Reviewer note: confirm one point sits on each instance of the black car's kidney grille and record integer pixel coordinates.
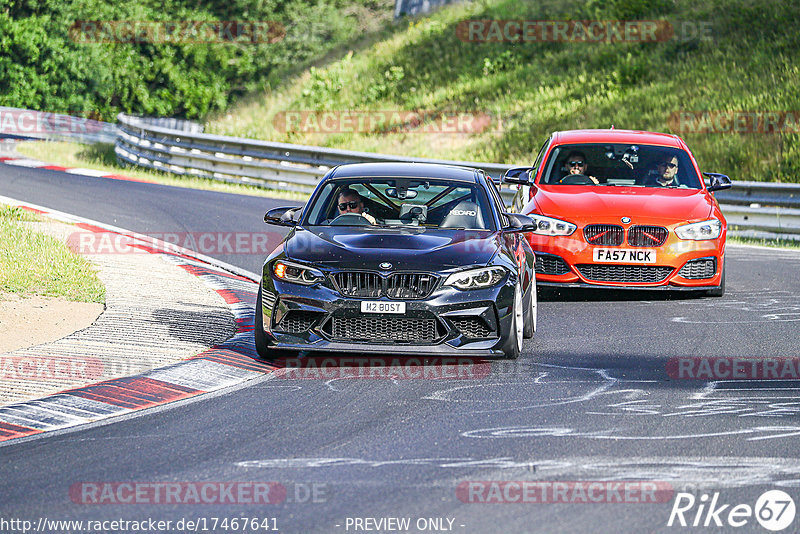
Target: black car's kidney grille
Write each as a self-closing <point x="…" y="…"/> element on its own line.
<point x="697" y="269"/>
<point x="473" y="327"/>
<point x="366" y="284"/>
<point x="647" y="236"/>
<point x="409" y="285"/>
<point x="359" y="284"/>
<point x="415" y="330"/>
<point x="297" y="321"/>
<point x="604" y="234"/>
<point x="550" y="264"/>
<point x="625" y="273"/>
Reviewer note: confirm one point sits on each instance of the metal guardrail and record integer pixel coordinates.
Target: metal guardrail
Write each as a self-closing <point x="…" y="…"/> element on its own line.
<point x="181" y="147"/>
<point x="274" y="165"/>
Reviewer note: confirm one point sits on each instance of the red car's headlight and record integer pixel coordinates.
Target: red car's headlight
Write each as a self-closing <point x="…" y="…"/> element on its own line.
<point x="551" y="226"/>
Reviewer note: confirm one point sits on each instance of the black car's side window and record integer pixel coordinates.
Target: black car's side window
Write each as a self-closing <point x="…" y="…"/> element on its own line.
<point x="498" y="202"/>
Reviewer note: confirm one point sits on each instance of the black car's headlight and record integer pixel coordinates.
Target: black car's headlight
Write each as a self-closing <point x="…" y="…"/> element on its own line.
<point x="476" y="278"/>
<point x="296" y="273"/>
<point x="700" y="231"/>
<point x="551" y="226"/>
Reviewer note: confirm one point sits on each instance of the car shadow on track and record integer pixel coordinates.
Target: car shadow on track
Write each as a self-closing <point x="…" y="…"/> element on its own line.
<point x="575" y="294"/>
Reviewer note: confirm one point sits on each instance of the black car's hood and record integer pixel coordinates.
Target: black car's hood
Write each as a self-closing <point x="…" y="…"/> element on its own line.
<point x="407" y="248"/>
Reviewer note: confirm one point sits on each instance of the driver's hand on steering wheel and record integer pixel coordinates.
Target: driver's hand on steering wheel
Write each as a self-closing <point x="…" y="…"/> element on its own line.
<point x="577" y="166"/>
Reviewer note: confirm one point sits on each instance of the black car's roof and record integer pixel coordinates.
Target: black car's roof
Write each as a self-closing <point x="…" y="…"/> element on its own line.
<point x="404" y="170"/>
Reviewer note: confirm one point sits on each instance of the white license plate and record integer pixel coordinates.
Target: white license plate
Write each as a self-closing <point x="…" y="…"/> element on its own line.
<point x="624" y="255"/>
<point x="382" y="307"/>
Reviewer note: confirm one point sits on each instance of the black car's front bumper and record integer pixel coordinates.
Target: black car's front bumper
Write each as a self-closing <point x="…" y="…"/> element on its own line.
<point x="449" y="322"/>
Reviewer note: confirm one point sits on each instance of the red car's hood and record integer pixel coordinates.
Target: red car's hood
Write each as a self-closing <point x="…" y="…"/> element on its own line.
<point x="581" y="204"/>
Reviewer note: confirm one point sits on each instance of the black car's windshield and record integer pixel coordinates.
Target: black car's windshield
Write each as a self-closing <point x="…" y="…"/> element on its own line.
<point x="405" y="202"/>
<point x="620" y="165"/>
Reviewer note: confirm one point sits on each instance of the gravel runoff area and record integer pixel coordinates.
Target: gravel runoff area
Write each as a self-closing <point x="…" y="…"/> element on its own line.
<point x="155" y="314"/>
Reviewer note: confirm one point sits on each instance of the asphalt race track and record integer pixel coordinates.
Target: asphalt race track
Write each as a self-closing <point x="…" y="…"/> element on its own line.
<point x="596" y="397"/>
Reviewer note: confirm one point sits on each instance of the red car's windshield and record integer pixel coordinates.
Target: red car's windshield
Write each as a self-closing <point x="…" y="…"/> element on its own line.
<point x="620" y="165"/>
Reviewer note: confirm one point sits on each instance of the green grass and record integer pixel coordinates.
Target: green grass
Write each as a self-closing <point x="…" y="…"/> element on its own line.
<point x="763" y="242"/>
<point x="101" y="157"/>
<point x="748" y="61"/>
<point x="35" y="263"/>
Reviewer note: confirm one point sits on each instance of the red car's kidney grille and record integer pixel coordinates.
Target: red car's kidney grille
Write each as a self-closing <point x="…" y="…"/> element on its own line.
<point x="647" y="236"/>
<point x="604" y="234"/>
<point x="625" y="273"/>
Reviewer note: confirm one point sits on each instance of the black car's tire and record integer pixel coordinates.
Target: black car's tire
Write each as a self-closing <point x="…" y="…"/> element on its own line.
<point x="516" y="333"/>
<point x="531" y="317"/>
<point x="718" y="291"/>
<point x="262" y="347"/>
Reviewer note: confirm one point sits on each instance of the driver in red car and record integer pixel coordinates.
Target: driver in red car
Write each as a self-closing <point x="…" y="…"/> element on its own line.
<point x="576" y="164"/>
<point x="350" y="201"/>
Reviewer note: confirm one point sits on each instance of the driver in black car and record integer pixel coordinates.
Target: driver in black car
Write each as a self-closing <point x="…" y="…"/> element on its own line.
<point x="576" y="164"/>
<point x="349" y="201"/>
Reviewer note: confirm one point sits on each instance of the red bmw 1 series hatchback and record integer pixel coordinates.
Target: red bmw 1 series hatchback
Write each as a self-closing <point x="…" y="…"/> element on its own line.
<point x="623" y="209"/>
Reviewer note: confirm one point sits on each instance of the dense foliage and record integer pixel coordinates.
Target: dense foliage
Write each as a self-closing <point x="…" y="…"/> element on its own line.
<point x="723" y="56"/>
<point x="44" y="66"/>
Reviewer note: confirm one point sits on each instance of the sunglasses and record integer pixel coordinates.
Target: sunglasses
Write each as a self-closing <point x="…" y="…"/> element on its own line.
<point x="578" y="163"/>
<point x="669" y="165"/>
<point x="353" y="205"/>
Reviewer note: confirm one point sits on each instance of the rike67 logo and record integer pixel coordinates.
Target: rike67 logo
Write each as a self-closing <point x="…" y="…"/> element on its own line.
<point x="774" y="510"/>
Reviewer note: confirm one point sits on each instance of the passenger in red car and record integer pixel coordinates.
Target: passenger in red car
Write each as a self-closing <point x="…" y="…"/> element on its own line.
<point x="666" y="173"/>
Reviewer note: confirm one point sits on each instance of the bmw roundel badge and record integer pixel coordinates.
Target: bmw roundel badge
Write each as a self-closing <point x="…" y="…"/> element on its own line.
<point x="626" y="220"/>
<point x="385" y="266"/>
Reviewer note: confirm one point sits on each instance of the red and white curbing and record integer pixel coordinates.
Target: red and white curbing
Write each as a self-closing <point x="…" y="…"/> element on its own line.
<point x="224" y="365"/>
<point x="36" y="164"/>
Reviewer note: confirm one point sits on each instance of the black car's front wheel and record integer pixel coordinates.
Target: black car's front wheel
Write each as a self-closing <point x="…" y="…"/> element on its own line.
<point x="516" y="333"/>
<point x="531" y="307"/>
<point x="262" y="347"/>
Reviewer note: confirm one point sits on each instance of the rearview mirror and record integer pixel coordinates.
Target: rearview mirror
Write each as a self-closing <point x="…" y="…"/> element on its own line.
<point x="518" y="175"/>
<point x="401" y="193"/>
<point x="718" y="181"/>
<point x="283" y="216"/>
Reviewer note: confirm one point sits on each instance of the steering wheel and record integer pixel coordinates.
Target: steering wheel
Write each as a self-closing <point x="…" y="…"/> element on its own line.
<point x="350" y="219"/>
<point x="576" y="179"/>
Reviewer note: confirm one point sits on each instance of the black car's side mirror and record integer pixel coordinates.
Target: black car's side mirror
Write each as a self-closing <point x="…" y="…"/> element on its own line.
<point x="518" y="175"/>
<point x="718" y="181"/>
<point x="283" y="216"/>
<point x="519" y="223"/>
